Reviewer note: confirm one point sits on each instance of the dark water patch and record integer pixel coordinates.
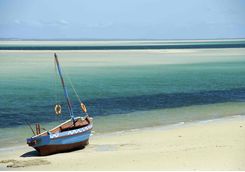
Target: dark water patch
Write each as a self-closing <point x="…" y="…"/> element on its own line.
<point x="122" y="105"/>
<point x="188" y="45"/>
<point x="119" y="105"/>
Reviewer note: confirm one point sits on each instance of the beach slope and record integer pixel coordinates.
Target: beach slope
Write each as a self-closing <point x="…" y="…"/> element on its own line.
<point x="208" y="145"/>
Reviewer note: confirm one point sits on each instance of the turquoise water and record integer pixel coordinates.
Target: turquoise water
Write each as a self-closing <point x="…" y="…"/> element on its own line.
<point x="122" y="89"/>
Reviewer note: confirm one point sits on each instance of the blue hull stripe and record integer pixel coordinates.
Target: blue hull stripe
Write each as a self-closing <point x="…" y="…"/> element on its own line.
<point x="71" y="139"/>
<point x="62" y="138"/>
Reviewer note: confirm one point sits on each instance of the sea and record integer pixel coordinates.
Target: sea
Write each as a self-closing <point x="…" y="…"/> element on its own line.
<point x="125" y="85"/>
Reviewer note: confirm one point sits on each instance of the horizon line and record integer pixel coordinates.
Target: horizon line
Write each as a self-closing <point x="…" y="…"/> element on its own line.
<point x="113" y="39"/>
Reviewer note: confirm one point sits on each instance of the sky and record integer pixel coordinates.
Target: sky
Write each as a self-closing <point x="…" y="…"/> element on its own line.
<point x="122" y="19"/>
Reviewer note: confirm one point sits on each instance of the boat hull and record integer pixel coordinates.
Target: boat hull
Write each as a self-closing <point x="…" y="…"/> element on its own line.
<point x="61" y="141"/>
<point x="52" y="149"/>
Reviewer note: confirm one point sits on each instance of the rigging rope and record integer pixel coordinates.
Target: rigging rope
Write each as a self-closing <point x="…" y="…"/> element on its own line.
<point x="67" y="76"/>
<point x="83" y="107"/>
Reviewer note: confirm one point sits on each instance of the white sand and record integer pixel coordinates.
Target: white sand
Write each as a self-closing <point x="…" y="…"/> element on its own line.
<point x="210" y="145"/>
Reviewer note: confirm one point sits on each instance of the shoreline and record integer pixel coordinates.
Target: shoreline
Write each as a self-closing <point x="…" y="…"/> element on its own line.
<point x="147" y="128"/>
<point x="187" y="146"/>
<point x="139" y="120"/>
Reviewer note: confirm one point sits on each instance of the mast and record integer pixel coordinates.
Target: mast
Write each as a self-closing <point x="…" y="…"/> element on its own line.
<point x="64" y="88"/>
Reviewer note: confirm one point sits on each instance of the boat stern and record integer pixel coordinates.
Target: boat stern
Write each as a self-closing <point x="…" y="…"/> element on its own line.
<point x="37" y="141"/>
<point x="31" y="141"/>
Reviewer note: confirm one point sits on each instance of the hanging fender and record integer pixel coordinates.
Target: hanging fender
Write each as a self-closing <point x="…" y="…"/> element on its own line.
<point x="57" y="109"/>
<point x="83" y="107"/>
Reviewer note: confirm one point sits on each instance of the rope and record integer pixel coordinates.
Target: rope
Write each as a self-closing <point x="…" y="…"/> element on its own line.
<point x="78" y="98"/>
<point x="69" y="79"/>
<point x="67" y="76"/>
<point x="55" y="80"/>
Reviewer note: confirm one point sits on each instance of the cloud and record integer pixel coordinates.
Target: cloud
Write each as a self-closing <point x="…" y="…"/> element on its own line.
<point x="27" y="22"/>
<point x="99" y="25"/>
<point x="44" y="23"/>
<point x="17" y="22"/>
<point x="62" y="22"/>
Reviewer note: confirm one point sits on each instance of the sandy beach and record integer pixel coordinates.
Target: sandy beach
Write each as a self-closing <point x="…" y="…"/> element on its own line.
<point x="134" y="85"/>
<point x="208" y="145"/>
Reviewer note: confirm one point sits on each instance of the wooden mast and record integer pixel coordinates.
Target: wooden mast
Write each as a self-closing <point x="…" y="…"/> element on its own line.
<point x="64" y="88"/>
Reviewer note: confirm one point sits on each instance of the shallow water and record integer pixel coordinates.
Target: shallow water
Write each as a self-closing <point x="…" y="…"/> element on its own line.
<point x="122" y="89"/>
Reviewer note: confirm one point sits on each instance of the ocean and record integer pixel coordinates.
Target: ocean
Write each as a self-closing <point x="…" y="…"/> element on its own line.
<point x="124" y="88"/>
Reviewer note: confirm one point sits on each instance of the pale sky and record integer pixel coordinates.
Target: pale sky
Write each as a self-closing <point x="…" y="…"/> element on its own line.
<point x="122" y="19"/>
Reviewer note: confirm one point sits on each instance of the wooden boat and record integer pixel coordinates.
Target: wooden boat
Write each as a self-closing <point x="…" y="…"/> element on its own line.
<point x="70" y="135"/>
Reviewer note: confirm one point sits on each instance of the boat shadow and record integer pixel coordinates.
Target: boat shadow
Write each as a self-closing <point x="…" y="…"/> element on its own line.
<point x="30" y="154"/>
<point x="36" y="154"/>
